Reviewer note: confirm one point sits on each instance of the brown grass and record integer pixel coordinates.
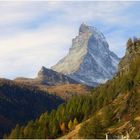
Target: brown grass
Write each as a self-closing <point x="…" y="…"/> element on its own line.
<point x="66" y="90"/>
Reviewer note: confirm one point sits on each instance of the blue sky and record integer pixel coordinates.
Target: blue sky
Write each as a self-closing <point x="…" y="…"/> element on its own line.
<point x="36" y="34"/>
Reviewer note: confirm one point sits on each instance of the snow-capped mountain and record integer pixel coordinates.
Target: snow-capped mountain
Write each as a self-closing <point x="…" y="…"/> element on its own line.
<point x="89" y="60"/>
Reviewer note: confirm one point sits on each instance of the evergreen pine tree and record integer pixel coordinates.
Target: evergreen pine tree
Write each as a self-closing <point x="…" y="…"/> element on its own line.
<point x="15" y="132"/>
<point x="70" y="125"/>
<point x="75" y="122"/>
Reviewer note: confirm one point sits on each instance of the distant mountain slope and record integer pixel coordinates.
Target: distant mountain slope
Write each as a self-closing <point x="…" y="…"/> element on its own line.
<point x="55" y="83"/>
<point x="51" y="77"/>
<point x="66" y="91"/>
<point x="48" y="77"/>
<point x="89" y="60"/>
<point x="20" y="103"/>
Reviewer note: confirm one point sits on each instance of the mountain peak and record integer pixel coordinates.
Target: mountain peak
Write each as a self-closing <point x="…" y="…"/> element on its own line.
<point x="43" y="69"/>
<point x="83" y="28"/>
<point x="89" y="60"/>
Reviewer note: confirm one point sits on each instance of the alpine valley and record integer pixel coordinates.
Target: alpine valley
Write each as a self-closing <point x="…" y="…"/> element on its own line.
<point x="90" y="93"/>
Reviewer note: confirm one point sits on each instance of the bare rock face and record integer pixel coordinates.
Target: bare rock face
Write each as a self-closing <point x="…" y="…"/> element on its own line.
<point x="89" y="60"/>
<point x="50" y="77"/>
<point x="132" y="51"/>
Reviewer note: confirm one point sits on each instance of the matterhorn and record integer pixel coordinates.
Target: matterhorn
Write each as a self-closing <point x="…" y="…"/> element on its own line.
<point x="89" y="60"/>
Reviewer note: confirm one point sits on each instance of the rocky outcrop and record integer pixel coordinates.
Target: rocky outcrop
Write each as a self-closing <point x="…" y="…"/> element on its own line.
<point x="51" y="77"/>
<point x="132" y="51"/>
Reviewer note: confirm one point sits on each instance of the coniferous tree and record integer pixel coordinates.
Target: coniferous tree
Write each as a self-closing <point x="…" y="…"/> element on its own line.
<point x="70" y="125"/>
<point x="107" y="116"/>
<point x="63" y="128"/>
<point x="15" y="133"/>
<point x="75" y="122"/>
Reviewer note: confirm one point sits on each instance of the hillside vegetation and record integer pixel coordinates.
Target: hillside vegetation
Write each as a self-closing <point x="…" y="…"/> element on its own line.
<point x="20" y="103"/>
<point x="112" y="108"/>
<point x="118" y="101"/>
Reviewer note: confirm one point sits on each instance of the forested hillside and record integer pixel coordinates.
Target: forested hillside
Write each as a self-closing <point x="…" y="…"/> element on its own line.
<point x="111" y="108"/>
<point x="20" y="103"/>
<point x="118" y="101"/>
